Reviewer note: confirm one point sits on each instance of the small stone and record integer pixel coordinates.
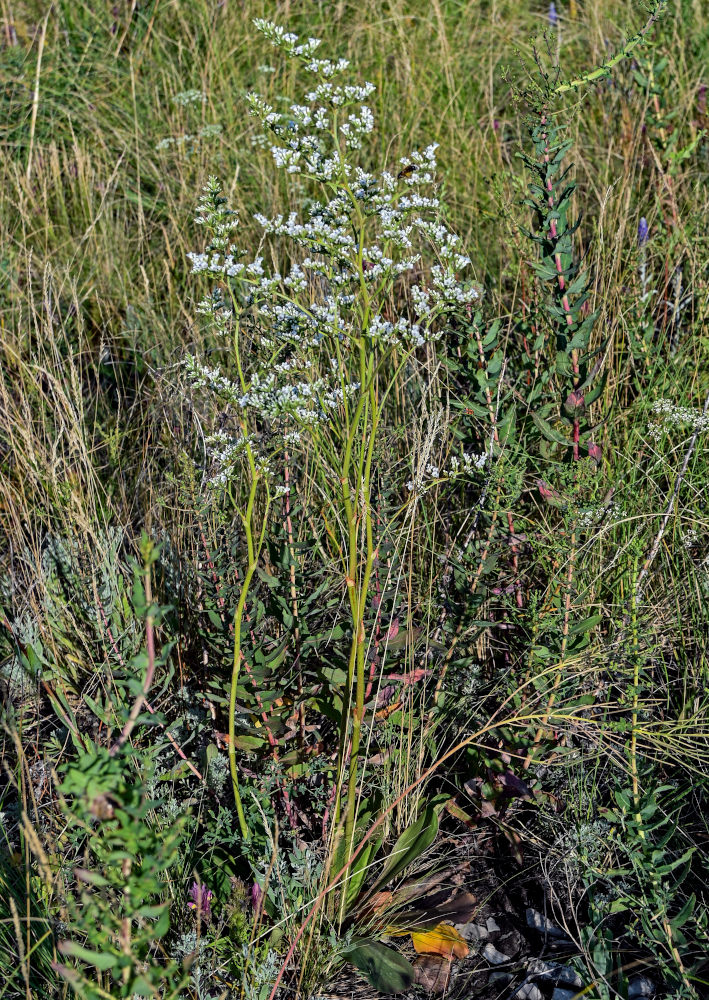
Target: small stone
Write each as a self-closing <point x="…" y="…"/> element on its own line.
<point x="499" y="977"/>
<point x="493" y="956"/>
<point x="492" y="925"/>
<point x="559" y="974"/>
<point x="641" y="986"/>
<point x="569" y="977"/>
<point x="527" y="991"/>
<point x="540" y="923"/>
<point x="473" y="932"/>
<point x="560" y="994"/>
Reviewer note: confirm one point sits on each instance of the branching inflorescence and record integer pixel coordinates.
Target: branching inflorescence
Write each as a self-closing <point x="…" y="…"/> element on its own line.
<point x="327" y="350"/>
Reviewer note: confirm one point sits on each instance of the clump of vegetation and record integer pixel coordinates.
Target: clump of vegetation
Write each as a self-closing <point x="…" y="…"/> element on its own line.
<point x="355" y="558"/>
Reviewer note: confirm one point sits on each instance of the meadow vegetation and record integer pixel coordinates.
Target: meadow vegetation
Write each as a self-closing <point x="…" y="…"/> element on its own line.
<point x="354" y="575"/>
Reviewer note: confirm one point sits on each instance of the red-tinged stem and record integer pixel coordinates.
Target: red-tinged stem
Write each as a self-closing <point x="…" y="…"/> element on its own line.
<point x="175" y="745"/>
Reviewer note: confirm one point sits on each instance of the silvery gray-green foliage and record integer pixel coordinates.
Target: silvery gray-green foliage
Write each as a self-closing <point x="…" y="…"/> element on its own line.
<point x="75" y="601"/>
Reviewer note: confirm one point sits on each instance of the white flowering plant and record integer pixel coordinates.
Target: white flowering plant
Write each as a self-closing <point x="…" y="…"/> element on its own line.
<point x="314" y="352"/>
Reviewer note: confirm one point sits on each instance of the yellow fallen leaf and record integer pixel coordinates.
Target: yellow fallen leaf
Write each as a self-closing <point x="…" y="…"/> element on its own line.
<point x="442" y="940"/>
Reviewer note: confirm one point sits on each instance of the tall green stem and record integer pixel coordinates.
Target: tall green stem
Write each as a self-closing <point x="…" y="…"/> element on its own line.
<point x="361" y="606"/>
<point x="236" y="666"/>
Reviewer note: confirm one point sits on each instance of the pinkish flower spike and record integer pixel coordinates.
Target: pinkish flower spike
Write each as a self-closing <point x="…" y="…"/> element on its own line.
<point x="201" y="899"/>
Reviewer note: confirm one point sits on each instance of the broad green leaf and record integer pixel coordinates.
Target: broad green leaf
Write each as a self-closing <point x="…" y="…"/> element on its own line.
<point x="383" y="968"/>
<point x="548" y="431"/>
<point x="623" y="800"/>
<point x="91" y="877"/>
<point x="684" y="914"/>
<point x="102" y="960"/>
<point x="98" y="711"/>
<point x="276" y="657"/>
<point x="142" y="987"/>
<point x="246" y="742"/>
<point x="270" y="581"/>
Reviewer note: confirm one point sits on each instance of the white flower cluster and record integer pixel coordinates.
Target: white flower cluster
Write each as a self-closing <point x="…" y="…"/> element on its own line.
<point x="286" y="40"/>
<point x="307" y="402"/>
<point x="311" y="142"/>
<point x="213" y="262"/>
<point x="202" y="377"/>
<point x="672" y="415"/>
<point x="356" y="127"/>
<point x="217" y="217"/>
<point x="190" y="97"/>
<point x="318" y="234"/>
<point x="224" y="449"/>
<point x="690" y="538"/>
<point x="402" y="332"/>
<point x="338" y="97"/>
<point x="419" y="168"/>
<point x="467" y="465"/>
<point x="366" y="230"/>
<point x="593" y="517"/>
<point x="224" y="452"/>
<point x="459" y="467"/>
<point x="206" y="132"/>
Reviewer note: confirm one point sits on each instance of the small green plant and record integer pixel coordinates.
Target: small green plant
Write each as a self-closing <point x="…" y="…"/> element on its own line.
<point x="642" y="892"/>
<point x="117" y="913"/>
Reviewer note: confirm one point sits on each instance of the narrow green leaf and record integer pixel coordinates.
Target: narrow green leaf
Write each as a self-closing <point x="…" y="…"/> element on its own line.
<point x="412" y="843"/>
<point x="357" y="872"/>
<point x="586" y="625"/>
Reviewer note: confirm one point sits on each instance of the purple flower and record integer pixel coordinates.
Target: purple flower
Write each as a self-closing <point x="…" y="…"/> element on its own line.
<point x="201" y="899"/>
<point x="643" y="230"/>
<point x="256" y="894"/>
<point x="553" y="16"/>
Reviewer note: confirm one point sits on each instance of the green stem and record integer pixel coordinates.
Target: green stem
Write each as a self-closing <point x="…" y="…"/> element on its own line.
<point x="253" y="551"/>
<point x="362" y="602"/>
<point x="605" y="68"/>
